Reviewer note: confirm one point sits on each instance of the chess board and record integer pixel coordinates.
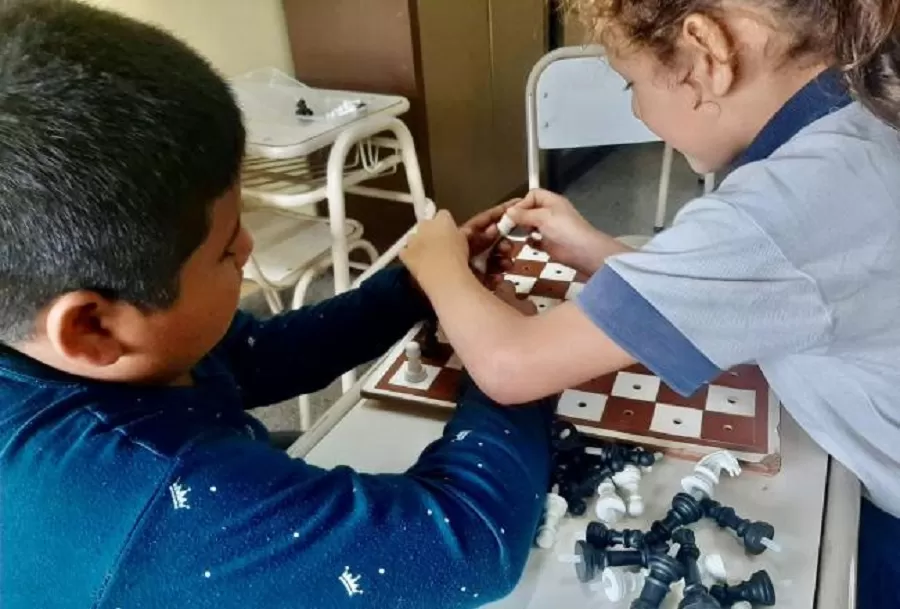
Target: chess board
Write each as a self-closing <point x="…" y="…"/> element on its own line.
<point x="738" y="411"/>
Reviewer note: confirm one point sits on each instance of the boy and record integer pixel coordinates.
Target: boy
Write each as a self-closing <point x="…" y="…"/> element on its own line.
<point x="793" y="263"/>
<point x="130" y="474"/>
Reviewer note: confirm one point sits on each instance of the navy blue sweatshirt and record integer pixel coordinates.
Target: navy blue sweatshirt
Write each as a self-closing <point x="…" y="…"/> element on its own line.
<point x="125" y="497"/>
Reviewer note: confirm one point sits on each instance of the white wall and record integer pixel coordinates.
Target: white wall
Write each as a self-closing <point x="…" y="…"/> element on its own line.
<point x="235" y="35"/>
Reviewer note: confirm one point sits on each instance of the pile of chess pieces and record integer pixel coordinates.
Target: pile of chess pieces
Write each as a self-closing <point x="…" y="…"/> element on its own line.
<point x="621" y="563"/>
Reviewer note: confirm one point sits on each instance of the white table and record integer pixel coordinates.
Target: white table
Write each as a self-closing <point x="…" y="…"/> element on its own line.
<point x="813" y="504"/>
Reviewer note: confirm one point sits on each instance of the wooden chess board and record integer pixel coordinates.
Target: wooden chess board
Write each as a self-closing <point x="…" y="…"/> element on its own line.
<point x="738" y="411"/>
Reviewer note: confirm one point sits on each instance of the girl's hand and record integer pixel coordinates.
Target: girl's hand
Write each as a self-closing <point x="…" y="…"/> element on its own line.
<point x="437" y="246"/>
<point x="565" y="234"/>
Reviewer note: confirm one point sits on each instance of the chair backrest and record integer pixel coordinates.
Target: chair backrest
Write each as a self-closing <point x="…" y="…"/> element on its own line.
<point x="574" y="99"/>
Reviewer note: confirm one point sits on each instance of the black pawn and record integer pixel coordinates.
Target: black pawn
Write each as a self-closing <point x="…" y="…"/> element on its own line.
<point x="430" y="345"/>
<point x="696" y="596"/>
<point x="685" y="510"/>
<point x="593" y="560"/>
<point x="601" y="536"/>
<point x="664" y="571"/>
<point x="758" y="590"/>
<point x="751" y="533"/>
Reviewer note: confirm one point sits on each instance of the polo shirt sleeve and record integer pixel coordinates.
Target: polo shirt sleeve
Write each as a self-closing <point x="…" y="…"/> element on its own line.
<point x="712" y="292"/>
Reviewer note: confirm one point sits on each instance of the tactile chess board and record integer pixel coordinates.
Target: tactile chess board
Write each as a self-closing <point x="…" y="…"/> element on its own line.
<point x="737" y="411"/>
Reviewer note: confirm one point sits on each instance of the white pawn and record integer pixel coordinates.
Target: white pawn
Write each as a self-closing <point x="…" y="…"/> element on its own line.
<point x="617" y="584"/>
<point x="609" y="507"/>
<point x="415" y="371"/>
<point x="628" y="481"/>
<point x="712" y="568"/>
<point x="708" y="471"/>
<point x="555" y="509"/>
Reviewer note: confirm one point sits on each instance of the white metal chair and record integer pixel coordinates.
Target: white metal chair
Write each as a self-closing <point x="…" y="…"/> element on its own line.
<point x="295" y="161"/>
<point x="574" y="99"/>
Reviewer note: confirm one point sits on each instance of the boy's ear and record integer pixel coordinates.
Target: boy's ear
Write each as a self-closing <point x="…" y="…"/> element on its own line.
<point x="78" y="328"/>
<point x="714" y="67"/>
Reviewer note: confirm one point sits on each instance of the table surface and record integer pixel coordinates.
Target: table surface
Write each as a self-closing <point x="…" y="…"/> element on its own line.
<point x="793" y="501"/>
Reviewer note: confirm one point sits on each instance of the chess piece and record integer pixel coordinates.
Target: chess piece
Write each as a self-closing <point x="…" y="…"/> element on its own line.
<point x="504" y="227"/>
<point x="696" y="596"/>
<point x="609" y="507"/>
<point x="702" y="482"/>
<point x="589" y="560"/>
<point x="758" y="590"/>
<point x="430" y="346"/>
<point x="756" y="536"/>
<point x="664" y="571"/>
<point x="685" y="510"/>
<point x="628" y="482"/>
<point x="712" y="568"/>
<point x="415" y="371"/>
<point x="601" y="536"/>
<point x="554" y="510"/>
<point x="616" y="584"/>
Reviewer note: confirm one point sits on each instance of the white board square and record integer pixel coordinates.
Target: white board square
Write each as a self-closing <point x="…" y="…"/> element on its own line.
<point x="529" y="253"/>
<point x="454" y="362"/>
<point x="677" y="421"/>
<point x="543" y="303"/>
<point x="559" y="272"/>
<point x="581" y="405"/>
<point x="741" y="402"/>
<point x="399" y="378"/>
<point x="574" y="290"/>
<point x="643" y="387"/>
<point x="523" y="284"/>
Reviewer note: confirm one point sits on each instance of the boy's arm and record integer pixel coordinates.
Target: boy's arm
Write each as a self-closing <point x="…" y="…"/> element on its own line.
<point x="262" y="530"/>
<point x="304" y="350"/>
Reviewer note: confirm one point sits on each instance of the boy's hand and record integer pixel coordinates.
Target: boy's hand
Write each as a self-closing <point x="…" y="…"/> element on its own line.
<point x="565" y="234"/>
<point x="437" y="246"/>
<point x="481" y="231"/>
<point x="506" y="292"/>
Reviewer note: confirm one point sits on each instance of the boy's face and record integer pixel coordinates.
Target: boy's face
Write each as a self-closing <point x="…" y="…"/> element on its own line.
<point x="84" y="334"/>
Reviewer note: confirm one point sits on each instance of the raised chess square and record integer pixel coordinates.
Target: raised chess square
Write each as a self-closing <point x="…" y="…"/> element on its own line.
<point x="558" y="272"/>
<point x="740" y="402"/>
<point x="399" y="378"/>
<point x="633" y="386"/>
<point x="581" y="405"/>
<point x="677" y="421"/>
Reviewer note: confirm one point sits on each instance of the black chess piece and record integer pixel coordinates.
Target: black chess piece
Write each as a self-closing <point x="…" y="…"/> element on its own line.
<point x="685" y="510"/>
<point x="758" y="590"/>
<point x="696" y="596"/>
<point x="601" y="536"/>
<point x="302" y="108"/>
<point x="429" y="344"/>
<point x="636" y="455"/>
<point x="664" y="571"/>
<point x="593" y="560"/>
<point x="751" y="533"/>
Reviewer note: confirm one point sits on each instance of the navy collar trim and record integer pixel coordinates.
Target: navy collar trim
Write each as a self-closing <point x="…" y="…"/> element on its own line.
<point x="820" y="97"/>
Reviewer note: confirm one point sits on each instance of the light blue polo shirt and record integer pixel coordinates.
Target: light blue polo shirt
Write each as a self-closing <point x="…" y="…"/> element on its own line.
<point x="793" y="263"/>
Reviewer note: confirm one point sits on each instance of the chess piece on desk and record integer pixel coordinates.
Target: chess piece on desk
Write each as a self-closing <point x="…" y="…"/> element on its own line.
<point x="685" y="510"/>
<point x="616" y="584"/>
<point x="628" y="481"/>
<point x="758" y="591"/>
<point x="712" y="568"/>
<point x="664" y="571"/>
<point x="703" y="481"/>
<point x="589" y="561"/>
<point x="415" y="371"/>
<point x="504" y="227"/>
<point x="609" y="507"/>
<point x="696" y="596"/>
<point x="756" y="536"/>
<point x="601" y="536"/>
<point x="555" y="509"/>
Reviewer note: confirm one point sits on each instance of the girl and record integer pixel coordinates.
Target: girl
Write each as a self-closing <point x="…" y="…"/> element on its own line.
<point x="793" y="263"/>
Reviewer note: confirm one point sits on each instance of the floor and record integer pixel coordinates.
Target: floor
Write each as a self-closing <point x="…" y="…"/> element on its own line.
<point x="618" y="196"/>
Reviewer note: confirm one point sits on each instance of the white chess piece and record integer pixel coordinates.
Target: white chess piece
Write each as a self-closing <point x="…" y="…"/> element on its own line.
<point x="617" y="584"/>
<point x="415" y="372"/>
<point x="628" y="481"/>
<point x="708" y="471"/>
<point x="712" y="568"/>
<point x="554" y="510"/>
<point x="742" y="605"/>
<point x="504" y="227"/>
<point x="609" y="506"/>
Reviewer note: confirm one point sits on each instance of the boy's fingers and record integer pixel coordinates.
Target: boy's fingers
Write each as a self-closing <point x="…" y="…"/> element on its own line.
<point x="535" y="217"/>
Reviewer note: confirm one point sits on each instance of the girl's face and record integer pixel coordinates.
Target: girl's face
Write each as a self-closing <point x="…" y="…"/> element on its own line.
<point x="675" y="111"/>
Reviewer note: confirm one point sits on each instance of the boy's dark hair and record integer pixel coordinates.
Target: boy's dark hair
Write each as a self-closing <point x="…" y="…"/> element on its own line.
<point x="115" y="139"/>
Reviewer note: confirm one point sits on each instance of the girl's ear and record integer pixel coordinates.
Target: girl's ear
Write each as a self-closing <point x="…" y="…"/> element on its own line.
<point x="714" y="65"/>
<point x="78" y="330"/>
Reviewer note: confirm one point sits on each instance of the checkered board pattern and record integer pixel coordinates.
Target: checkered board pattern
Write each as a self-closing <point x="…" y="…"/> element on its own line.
<point x="737" y="411"/>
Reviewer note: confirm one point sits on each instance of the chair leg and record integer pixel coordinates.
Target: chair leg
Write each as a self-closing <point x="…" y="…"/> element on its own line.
<point x="663" y="198"/>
